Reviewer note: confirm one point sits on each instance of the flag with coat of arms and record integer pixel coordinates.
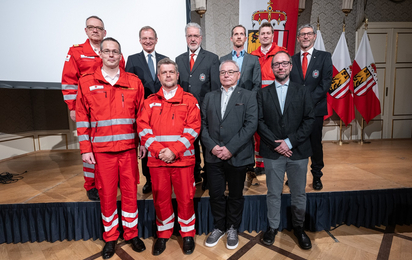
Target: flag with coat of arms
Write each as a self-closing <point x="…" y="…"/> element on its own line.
<point x="364" y="82"/>
<point x="339" y="97"/>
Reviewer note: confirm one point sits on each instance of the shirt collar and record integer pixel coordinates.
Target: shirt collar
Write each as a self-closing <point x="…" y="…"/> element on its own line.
<point x="105" y="75"/>
<point x="230" y="89"/>
<point x="310" y="51"/>
<point x="241" y="54"/>
<point x="169" y="94"/>
<point x="146" y="53"/>
<point x="278" y="85"/>
<point x="196" y="52"/>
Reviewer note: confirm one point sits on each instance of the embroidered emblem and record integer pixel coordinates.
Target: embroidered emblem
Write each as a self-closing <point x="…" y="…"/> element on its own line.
<point x="202" y="77"/>
<point x="91" y="88"/>
<point x="315" y="73"/>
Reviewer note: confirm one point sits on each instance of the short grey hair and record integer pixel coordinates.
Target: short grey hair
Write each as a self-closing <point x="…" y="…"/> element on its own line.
<point x="308" y="25"/>
<point x="147" y="28"/>
<point x="95" y="17"/>
<point x="229" y="61"/>
<point x="166" y="61"/>
<point x="193" y="25"/>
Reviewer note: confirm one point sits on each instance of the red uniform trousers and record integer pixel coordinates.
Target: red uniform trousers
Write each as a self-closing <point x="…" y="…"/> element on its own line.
<point x="88" y="174"/>
<point x="184" y="187"/>
<point x="259" y="159"/>
<point x="112" y="167"/>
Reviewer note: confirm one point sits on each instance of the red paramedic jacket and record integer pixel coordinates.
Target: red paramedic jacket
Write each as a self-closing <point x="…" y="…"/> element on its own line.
<point x="105" y="114"/>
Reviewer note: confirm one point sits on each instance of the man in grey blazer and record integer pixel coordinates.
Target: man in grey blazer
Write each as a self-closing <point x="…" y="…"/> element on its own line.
<point x="199" y="74"/>
<point x="229" y="120"/>
<point x="317" y="79"/>
<point x="142" y="65"/>
<point x="285" y="122"/>
<point x="250" y="77"/>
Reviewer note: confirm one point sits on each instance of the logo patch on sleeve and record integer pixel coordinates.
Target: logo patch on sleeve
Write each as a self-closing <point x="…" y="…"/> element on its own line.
<point x="68" y="57"/>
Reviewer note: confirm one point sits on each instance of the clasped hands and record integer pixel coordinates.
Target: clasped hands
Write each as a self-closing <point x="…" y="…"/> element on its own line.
<point x="167" y="155"/>
<point x="221" y="152"/>
<point x="283" y="148"/>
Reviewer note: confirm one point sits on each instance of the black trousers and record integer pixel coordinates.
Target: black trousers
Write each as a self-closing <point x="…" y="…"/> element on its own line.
<point x="317" y="148"/>
<point x="226" y="211"/>
<point x="145" y="169"/>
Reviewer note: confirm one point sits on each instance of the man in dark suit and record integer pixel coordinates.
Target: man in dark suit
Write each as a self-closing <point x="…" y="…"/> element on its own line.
<point x="250" y="77"/>
<point x="144" y="65"/>
<point x="318" y="69"/>
<point x="199" y="74"/>
<point x="285" y="122"/>
<point x="229" y="120"/>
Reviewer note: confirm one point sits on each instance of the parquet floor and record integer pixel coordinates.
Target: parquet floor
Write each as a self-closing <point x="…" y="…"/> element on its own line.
<point x="56" y="176"/>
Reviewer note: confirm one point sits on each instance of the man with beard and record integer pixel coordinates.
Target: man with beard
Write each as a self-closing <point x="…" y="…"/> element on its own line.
<point x="250" y="77"/>
<point x="199" y="74"/>
<point x="285" y="122"/>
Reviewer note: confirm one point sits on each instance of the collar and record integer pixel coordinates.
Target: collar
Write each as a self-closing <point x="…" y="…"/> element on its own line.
<point x="266" y="50"/>
<point x="146" y="53"/>
<point x="310" y="51"/>
<point x="169" y="94"/>
<point x="230" y="89"/>
<point x="196" y="52"/>
<point x="278" y="85"/>
<point x="242" y="53"/>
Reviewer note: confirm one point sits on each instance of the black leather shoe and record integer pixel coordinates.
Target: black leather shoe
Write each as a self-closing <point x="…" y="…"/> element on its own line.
<point x="303" y="239"/>
<point x="204" y="185"/>
<point x="93" y="194"/>
<point x="147" y="188"/>
<point x="317" y="183"/>
<point x="198" y="178"/>
<point x="137" y="244"/>
<point x="287" y="182"/>
<point x="188" y="245"/>
<point x="259" y="171"/>
<point x="159" y="246"/>
<point x="269" y="236"/>
<point x="109" y="249"/>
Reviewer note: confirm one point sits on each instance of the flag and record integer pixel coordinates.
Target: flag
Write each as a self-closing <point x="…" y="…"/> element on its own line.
<point x="319" y="45"/>
<point x="364" y="81"/>
<point x="283" y="15"/>
<point x="339" y="96"/>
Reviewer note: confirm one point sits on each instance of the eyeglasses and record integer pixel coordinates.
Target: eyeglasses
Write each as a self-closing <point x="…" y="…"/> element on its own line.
<point x="229" y="72"/>
<point x="91" y="28"/>
<point x="284" y="64"/>
<point x="302" y="35"/>
<point x="196" y="36"/>
<point x="107" y="52"/>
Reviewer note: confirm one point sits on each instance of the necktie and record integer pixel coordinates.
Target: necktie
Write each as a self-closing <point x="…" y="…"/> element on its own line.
<point x="192" y="61"/>
<point x="305" y="63"/>
<point x="151" y="65"/>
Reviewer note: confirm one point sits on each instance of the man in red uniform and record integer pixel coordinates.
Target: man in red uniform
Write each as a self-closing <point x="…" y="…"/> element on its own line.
<point x="83" y="59"/>
<point x="265" y="53"/>
<point x="168" y="125"/>
<point x="107" y="104"/>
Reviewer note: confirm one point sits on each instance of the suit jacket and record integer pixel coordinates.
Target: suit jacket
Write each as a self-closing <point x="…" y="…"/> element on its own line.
<point x="295" y="123"/>
<point x="250" y="76"/>
<point x="137" y="64"/>
<point x="235" y="130"/>
<point x="318" y="78"/>
<point x="204" y="76"/>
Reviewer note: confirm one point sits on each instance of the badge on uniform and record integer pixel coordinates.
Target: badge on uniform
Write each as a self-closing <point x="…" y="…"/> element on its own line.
<point x="96" y="87"/>
<point x="68" y="57"/>
<point x="315" y="73"/>
<point x="88" y="57"/>
<point x="202" y="77"/>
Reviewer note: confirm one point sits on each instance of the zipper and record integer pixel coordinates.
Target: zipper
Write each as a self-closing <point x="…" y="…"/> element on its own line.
<point x="122" y="100"/>
<point x="173" y="119"/>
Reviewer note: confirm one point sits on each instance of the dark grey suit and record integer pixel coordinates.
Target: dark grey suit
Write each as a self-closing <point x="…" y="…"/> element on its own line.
<point x="234" y="131"/>
<point x="137" y="64"/>
<point x="294" y="123"/>
<point x="250" y="76"/>
<point x="318" y="80"/>
<point x="204" y="76"/>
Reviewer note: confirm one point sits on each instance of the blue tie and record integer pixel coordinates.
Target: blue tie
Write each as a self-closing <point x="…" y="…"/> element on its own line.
<point x="151" y="65"/>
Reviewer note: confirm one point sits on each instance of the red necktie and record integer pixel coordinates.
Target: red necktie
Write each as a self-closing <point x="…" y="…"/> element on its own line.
<point x="192" y="61"/>
<point x="304" y="64"/>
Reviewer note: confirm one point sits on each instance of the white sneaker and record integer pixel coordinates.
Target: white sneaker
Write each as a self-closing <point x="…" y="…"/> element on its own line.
<point x="214" y="237"/>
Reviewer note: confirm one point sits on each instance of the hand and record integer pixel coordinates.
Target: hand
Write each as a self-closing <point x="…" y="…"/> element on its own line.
<point x="73" y="115"/>
<point x="142" y="151"/>
<point x="283" y="148"/>
<point x="225" y="154"/>
<point x="88" y="158"/>
<point x="217" y="150"/>
<point x="167" y="155"/>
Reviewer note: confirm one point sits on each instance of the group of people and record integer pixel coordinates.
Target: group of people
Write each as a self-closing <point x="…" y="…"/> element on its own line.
<point x="265" y="104"/>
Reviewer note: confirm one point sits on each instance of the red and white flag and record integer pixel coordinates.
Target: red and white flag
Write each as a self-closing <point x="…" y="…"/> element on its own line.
<point x="364" y="81"/>
<point x="339" y="96"/>
<point x="319" y="44"/>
